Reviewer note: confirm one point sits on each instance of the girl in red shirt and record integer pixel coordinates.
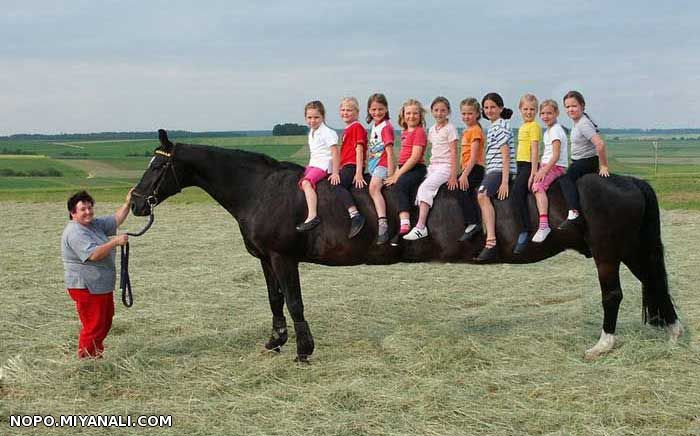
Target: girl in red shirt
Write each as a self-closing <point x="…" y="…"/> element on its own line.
<point x="348" y="171"/>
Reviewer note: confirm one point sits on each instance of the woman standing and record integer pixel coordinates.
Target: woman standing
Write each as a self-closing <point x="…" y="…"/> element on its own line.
<point x="90" y="273"/>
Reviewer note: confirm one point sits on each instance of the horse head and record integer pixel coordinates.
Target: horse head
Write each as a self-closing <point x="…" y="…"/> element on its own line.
<point x="160" y="180"/>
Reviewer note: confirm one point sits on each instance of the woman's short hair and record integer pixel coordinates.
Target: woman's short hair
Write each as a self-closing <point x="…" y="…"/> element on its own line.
<point x="77" y="198"/>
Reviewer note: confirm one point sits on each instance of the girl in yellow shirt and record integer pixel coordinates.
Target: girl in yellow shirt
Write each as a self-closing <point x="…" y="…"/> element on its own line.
<point x="529" y="136"/>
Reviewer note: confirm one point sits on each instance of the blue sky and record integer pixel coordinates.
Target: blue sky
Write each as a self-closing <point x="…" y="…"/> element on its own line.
<point x="86" y="66"/>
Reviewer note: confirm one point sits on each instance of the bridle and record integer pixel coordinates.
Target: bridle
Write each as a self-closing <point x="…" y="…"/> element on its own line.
<point x="152" y="200"/>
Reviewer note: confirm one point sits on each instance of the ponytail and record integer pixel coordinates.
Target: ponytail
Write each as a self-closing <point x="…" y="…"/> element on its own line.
<point x="496" y="98"/>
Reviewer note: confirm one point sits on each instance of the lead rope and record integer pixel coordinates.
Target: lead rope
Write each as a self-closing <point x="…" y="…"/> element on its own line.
<point x="124" y="280"/>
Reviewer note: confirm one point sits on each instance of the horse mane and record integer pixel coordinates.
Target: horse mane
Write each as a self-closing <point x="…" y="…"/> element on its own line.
<point x="249" y="156"/>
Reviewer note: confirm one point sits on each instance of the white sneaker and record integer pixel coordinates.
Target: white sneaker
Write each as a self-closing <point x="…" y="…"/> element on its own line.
<point x="416" y="233"/>
<point x="541" y="235"/>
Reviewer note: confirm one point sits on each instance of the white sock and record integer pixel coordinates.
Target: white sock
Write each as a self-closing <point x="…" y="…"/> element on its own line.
<point x="405" y="222"/>
<point x="469" y="228"/>
<point x="573" y="214"/>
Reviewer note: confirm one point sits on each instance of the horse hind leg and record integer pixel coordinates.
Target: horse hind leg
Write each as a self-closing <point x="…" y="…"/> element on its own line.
<point x="279" y="323"/>
<point x="609" y="278"/>
<point x="657" y="306"/>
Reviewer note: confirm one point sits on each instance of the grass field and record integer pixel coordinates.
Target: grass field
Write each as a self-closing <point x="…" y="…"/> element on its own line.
<point x="108" y="168"/>
<point x="419" y="349"/>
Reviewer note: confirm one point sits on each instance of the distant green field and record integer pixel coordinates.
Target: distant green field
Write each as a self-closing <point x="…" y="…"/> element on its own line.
<point x="27" y="163"/>
<point x="110" y="167"/>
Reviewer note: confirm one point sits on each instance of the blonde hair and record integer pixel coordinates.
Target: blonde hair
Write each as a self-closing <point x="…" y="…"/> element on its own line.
<point x="551" y="103"/>
<point x="421" y="111"/>
<point x="352" y="101"/>
<point x="530" y="98"/>
<point x="472" y="103"/>
<point x="315" y="105"/>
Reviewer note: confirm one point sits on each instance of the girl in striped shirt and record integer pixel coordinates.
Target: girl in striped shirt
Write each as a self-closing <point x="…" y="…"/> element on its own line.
<point x="500" y="168"/>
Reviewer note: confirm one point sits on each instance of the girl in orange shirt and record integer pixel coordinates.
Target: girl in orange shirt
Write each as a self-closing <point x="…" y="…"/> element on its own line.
<point x="472" y="165"/>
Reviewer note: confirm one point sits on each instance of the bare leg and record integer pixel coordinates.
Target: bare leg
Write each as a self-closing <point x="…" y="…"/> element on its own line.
<point x="375" y="191"/>
<point x="311" y="200"/>
<point x="542" y="202"/>
<point x="423" y="211"/>
<point x="488" y="217"/>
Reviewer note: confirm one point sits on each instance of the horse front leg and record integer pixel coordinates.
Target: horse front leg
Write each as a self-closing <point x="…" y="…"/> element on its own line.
<point x="276" y="297"/>
<point x="287" y="272"/>
<point x="609" y="278"/>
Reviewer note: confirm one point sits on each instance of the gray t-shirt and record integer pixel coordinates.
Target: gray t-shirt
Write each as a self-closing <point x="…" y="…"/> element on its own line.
<point x="581" y="145"/>
<point x="77" y="244"/>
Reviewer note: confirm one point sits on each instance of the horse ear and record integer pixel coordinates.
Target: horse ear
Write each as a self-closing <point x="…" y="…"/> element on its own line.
<point x="163" y="138"/>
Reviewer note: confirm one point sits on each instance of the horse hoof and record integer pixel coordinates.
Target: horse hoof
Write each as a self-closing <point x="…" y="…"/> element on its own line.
<point x="592" y="354"/>
<point x="271" y="349"/>
<point x="302" y="359"/>
<point x="605" y="344"/>
<point x="675" y="331"/>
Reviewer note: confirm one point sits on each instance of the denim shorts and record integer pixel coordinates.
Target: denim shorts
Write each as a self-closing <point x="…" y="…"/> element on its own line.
<point x="381" y="172"/>
<point x="491" y="183"/>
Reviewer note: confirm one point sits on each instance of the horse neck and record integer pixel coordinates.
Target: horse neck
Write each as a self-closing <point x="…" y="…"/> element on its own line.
<point x="231" y="177"/>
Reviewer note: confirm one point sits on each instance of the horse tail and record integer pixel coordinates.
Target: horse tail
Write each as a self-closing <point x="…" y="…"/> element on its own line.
<point x="657" y="307"/>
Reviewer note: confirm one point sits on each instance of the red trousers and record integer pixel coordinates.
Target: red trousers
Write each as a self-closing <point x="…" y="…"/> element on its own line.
<point x="95" y="312"/>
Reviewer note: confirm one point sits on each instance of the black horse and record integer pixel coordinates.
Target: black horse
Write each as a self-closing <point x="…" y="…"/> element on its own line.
<point x="622" y="226"/>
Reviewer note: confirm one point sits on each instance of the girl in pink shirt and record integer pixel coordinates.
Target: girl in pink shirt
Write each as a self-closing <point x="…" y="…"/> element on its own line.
<point x="411" y="169"/>
<point x="443" y="165"/>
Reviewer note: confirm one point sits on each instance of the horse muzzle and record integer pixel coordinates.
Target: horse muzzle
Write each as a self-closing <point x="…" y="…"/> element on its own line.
<point x="142" y="206"/>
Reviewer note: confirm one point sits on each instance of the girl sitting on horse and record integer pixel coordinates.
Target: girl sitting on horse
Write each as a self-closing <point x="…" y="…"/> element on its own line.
<point x="380" y="158"/>
<point x="554" y="162"/>
<point x="529" y="136"/>
<point x="588" y="154"/>
<point x="472" y="165"/>
<point x="323" y="149"/>
<point x="352" y="158"/>
<point x="500" y="168"/>
<point x="443" y="165"/>
<point x="411" y="170"/>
